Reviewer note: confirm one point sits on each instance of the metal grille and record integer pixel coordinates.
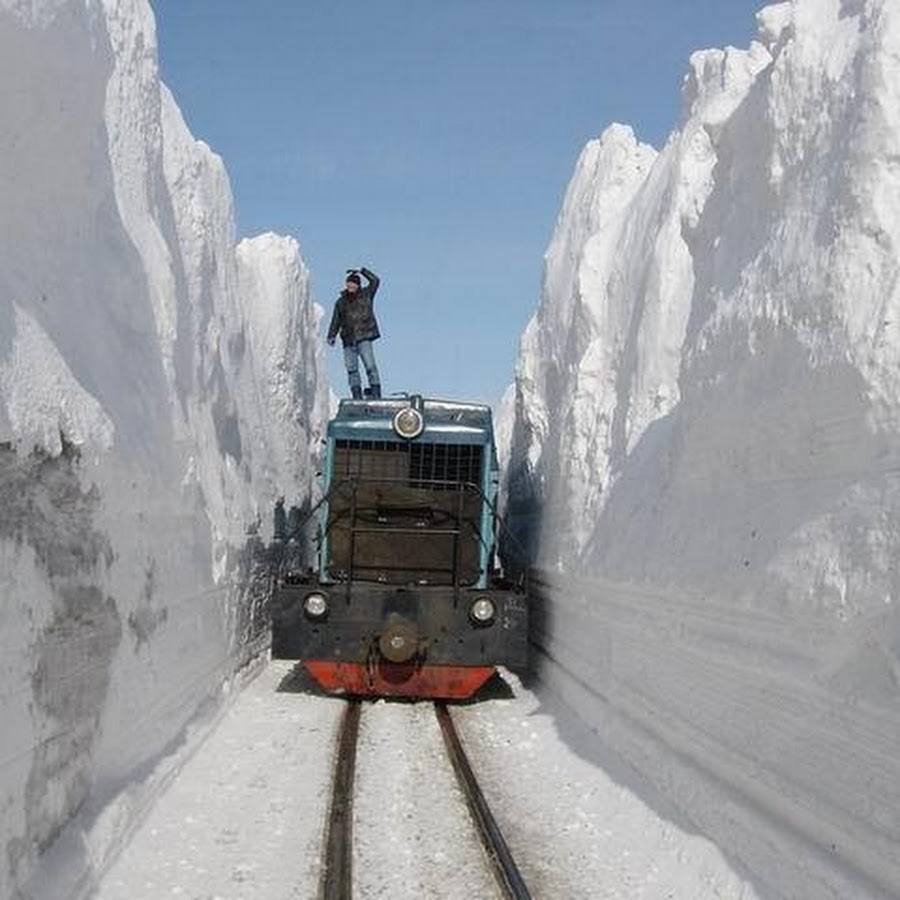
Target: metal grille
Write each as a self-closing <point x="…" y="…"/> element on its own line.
<point x="414" y="464"/>
<point x="375" y="460"/>
<point x="450" y="463"/>
<point x="404" y="513"/>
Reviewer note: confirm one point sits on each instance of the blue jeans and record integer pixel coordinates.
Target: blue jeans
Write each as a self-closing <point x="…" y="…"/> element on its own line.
<point x="352" y="355"/>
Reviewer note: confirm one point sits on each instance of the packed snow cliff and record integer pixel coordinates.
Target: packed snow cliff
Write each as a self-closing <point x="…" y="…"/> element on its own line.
<point x="706" y="447"/>
<point x="160" y="384"/>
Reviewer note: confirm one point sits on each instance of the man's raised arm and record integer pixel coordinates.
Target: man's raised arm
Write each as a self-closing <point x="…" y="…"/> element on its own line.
<point x="372" y="278"/>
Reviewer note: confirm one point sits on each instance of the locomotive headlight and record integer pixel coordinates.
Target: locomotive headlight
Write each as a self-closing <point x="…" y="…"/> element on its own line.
<point x="408" y="423"/>
<point x="482" y="611"/>
<point x="315" y="605"/>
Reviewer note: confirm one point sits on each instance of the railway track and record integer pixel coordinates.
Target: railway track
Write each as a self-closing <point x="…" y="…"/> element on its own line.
<point x="337" y="874"/>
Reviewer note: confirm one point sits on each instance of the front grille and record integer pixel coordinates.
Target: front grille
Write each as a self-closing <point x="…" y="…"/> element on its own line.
<point x="405" y="512"/>
<point x="371" y="460"/>
<point x="451" y="463"/>
<point x="436" y="465"/>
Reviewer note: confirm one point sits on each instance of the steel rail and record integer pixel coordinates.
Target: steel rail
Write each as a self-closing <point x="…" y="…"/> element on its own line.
<point x="337" y="874"/>
<point x="502" y="863"/>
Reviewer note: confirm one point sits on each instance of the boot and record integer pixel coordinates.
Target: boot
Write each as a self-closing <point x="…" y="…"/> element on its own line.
<point x="375" y="391"/>
<point x="356" y="392"/>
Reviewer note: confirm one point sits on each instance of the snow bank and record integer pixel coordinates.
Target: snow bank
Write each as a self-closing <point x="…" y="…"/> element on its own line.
<point x="707" y="433"/>
<point x="159" y="384"/>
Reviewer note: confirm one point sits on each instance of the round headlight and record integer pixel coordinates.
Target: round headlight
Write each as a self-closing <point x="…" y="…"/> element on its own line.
<point x="483" y="611"/>
<point x="408" y="423"/>
<point x="315" y="605"/>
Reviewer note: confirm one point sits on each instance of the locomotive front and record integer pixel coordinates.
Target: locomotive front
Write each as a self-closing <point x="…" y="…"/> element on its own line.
<point x="404" y="600"/>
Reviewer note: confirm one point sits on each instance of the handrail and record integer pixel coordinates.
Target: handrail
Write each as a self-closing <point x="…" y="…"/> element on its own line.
<point x="354" y="481"/>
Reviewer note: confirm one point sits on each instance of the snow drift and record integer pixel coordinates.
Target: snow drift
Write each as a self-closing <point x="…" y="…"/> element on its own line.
<point x="159" y="384"/>
<point x="705" y="449"/>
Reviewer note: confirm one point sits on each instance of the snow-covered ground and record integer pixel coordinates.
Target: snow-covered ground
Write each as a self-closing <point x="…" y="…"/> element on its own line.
<point x="574" y="816"/>
<point x="412" y="832"/>
<point x="245" y="818"/>
<point x="704" y="454"/>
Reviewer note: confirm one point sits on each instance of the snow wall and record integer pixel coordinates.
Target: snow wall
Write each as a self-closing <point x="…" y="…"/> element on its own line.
<point x="706" y="447"/>
<point x="160" y="383"/>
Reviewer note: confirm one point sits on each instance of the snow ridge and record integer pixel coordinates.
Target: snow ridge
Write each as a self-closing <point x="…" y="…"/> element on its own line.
<point x="707" y="415"/>
<point x="160" y="383"/>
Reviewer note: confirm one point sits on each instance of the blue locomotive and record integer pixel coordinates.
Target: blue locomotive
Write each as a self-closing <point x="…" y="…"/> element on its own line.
<point x="404" y="598"/>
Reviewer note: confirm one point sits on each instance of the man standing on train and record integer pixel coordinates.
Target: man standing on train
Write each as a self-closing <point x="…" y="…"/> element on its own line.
<point x="354" y="319"/>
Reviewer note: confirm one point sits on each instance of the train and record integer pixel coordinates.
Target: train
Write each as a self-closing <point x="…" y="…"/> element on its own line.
<point x="405" y="596"/>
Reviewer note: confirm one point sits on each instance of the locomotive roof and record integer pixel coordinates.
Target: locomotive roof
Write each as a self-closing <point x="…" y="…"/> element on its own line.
<point x="444" y="416"/>
<point x="472" y="414"/>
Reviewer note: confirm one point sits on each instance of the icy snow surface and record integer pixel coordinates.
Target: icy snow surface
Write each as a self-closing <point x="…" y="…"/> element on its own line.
<point x="245" y="817"/>
<point x="706" y="446"/>
<point x="413" y="836"/>
<point x="160" y="384"/>
<point x="575" y="831"/>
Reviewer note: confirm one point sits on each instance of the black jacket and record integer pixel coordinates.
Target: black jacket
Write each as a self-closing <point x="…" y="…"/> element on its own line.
<point x="354" y="314"/>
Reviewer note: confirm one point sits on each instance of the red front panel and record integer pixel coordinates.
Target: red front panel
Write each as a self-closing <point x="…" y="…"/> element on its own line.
<point x="387" y="679"/>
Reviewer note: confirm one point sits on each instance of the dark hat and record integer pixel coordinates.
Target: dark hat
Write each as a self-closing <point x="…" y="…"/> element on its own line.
<point x="354" y="277"/>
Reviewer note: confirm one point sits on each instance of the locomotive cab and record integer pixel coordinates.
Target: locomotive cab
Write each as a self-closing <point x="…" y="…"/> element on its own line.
<point x="403" y="599"/>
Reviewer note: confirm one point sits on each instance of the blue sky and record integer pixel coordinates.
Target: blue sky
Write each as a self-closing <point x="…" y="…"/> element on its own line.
<point x="431" y="141"/>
